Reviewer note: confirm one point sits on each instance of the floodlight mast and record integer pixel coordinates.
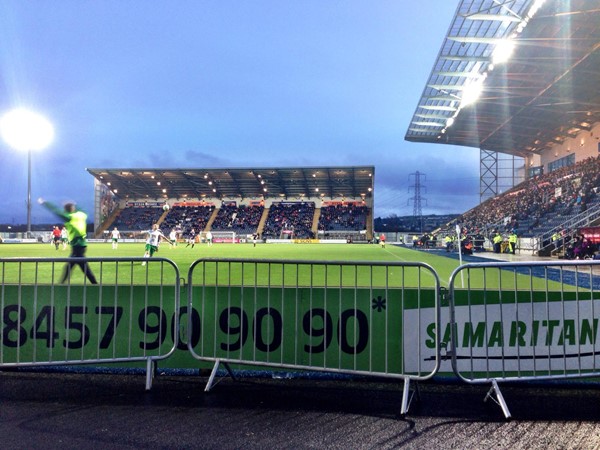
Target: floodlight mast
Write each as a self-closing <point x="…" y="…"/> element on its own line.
<point x="25" y="130"/>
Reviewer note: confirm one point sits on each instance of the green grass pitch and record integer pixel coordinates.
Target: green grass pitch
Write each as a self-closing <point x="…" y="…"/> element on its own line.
<point x="184" y="256"/>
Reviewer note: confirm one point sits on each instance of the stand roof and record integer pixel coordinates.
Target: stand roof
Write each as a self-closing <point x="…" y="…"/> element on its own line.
<point x="548" y="91"/>
<point x="286" y="183"/>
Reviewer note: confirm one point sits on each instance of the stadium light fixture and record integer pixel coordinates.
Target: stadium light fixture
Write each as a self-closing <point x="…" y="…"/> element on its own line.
<point x="25" y="130"/>
<point x="472" y="92"/>
<point x="503" y="51"/>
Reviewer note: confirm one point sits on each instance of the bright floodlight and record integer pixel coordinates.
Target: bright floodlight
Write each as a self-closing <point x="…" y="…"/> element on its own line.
<point x="472" y="92"/>
<point x="26" y="130"/>
<point x="503" y="51"/>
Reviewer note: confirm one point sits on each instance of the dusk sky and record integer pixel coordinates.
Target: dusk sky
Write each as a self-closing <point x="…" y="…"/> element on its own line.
<point x="219" y="84"/>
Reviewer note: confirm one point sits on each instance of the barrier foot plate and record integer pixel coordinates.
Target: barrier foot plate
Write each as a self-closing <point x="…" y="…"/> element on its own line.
<point x="496" y="396"/>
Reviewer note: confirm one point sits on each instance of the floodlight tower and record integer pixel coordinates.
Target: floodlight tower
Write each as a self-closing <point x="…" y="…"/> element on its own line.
<point x="26" y="130"/>
<point x="417" y="199"/>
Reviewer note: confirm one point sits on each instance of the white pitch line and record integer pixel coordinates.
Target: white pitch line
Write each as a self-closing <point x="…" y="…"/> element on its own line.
<point x="442" y="282"/>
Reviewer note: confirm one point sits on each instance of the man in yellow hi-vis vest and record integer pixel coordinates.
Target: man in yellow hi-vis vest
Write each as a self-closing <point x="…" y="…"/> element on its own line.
<point x="497" y="241"/>
<point x="76" y="225"/>
<point x="512" y="241"/>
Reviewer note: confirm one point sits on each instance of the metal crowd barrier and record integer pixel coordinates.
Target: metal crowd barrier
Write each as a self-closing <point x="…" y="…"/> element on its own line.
<point x="360" y="318"/>
<point x="523" y="322"/>
<point x="130" y="316"/>
<point x="505" y="322"/>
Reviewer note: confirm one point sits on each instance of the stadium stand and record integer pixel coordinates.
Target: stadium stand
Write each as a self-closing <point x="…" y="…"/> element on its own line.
<point x="540" y="205"/>
<point x="247" y="197"/>
<point x="290" y="219"/>
<point x="343" y="217"/>
<point x="186" y="218"/>
<point x="243" y="220"/>
<point x="536" y="125"/>
<point x="346" y="220"/>
<point x="137" y="218"/>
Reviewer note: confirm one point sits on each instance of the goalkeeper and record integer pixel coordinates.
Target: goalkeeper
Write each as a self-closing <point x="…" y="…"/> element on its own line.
<point x="75" y="223"/>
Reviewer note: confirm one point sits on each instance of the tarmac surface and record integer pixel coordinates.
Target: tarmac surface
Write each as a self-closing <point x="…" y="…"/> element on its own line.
<point x="113" y="411"/>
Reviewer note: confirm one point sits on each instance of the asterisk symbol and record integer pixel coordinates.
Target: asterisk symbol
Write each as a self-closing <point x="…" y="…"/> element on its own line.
<point x="379" y="303"/>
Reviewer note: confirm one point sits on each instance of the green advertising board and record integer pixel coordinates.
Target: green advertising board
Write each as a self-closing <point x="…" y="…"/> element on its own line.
<point x="331" y="329"/>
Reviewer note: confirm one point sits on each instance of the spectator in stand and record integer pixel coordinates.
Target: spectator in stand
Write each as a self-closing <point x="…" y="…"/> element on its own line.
<point x="137" y="218"/>
<point x="290" y="218"/>
<point x="540" y="201"/>
<point x="466" y="245"/>
<point x="185" y="217"/>
<point x="343" y="217"/>
<point x="574" y="247"/>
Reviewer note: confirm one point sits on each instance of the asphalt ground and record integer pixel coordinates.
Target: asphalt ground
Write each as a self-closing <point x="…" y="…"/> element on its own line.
<point x="113" y="411"/>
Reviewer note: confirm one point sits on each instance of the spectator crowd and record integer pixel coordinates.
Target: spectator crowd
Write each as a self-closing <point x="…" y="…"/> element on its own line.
<point x="540" y="203"/>
<point x="284" y="219"/>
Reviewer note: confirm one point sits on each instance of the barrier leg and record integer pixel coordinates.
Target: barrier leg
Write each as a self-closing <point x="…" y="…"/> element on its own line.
<point x="229" y="371"/>
<point x="213" y="374"/>
<point x="150" y="371"/>
<point x="496" y="396"/>
<point x="211" y="378"/>
<point x="407" y="395"/>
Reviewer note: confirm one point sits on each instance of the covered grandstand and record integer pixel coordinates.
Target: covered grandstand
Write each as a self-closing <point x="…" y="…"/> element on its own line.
<point x="519" y="81"/>
<point x="244" y="201"/>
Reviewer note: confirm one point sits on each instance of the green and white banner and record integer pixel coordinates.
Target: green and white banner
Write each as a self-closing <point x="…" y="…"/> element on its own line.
<point x="544" y="334"/>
